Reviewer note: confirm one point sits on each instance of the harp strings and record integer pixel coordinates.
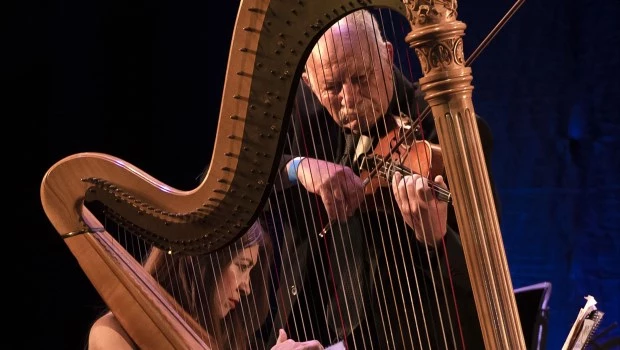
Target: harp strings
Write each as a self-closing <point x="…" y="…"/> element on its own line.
<point x="337" y="266"/>
<point x="326" y="266"/>
<point x="420" y="325"/>
<point x="190" y="281"/>
<point x="439" y="285"/>
<point x="385" y="238"/>
<point x="408" y="287"/>
<point x="385" y="242"/>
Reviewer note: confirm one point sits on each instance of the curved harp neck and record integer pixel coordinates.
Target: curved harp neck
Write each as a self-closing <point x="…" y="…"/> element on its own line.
<point x="437" y="40"/>
<point x="266" y="59"/>
<point x="265" y="63"/>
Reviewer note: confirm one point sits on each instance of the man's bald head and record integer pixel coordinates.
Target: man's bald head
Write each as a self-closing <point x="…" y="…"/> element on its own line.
<point x="357" y="32"/>
<point x="350" y="71"/>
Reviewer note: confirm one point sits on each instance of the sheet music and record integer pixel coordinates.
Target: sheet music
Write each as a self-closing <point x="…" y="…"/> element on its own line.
<point x="587" y="321"/>
<point x="338" y="346"/>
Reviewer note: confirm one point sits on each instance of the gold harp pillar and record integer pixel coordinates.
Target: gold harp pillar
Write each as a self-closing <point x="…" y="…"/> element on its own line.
<point x="436" y="37"/>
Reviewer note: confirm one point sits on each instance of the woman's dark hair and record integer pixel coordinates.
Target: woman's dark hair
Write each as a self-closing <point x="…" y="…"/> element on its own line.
<point x="191" y="281"/>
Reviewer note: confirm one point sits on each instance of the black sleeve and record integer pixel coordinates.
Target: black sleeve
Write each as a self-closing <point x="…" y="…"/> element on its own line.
<point x="446" y="260"/>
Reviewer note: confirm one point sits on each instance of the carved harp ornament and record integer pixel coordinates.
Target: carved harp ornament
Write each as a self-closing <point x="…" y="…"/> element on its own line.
<point x="271" y="41"/>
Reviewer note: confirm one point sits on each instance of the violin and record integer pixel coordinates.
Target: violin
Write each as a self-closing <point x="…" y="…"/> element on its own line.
<point x="401" y="150"/>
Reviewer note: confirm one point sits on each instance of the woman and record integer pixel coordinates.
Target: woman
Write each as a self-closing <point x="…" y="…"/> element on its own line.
<point x="209" y="288"/>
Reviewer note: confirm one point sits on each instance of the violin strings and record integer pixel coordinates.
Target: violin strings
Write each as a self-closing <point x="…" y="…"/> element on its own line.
<point x="388" y="170"/>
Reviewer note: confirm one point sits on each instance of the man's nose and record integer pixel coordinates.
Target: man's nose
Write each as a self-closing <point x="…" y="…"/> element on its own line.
<point x="348" y="95"/>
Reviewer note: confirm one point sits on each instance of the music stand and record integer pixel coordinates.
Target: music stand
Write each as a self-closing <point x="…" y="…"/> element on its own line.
<point x="533" y="305"/>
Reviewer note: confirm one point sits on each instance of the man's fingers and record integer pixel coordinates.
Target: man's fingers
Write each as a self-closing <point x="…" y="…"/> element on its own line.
<point x="395" y="182"/>
<point x="337" y="194"/>
<point x="332" y="209"/>
<point x="422" y="189"/>
<point x="341" y="200"/>
<point x="440" y="181"/>
<point x="400" y="186"/>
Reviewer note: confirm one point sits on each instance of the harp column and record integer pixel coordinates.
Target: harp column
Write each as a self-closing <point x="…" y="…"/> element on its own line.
<point x="436" y="37"/>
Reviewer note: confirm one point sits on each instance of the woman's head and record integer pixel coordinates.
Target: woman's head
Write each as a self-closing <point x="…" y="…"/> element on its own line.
<point x="210" y="286"/>
<point x="233" y="282"/>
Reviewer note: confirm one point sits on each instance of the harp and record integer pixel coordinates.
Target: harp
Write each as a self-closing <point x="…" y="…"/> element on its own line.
<point x="270" y="43"/>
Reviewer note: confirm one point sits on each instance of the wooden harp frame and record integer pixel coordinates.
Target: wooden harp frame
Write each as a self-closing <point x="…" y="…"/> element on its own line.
<point x="271" y="41"/>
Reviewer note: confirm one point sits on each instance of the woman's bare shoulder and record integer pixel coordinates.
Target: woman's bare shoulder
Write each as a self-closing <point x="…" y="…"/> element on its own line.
<point x="107" y="333"/>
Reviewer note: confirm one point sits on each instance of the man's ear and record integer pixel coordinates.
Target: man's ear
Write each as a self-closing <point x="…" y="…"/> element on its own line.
<point x="390" y="51"/>
<point x="304" y="77"/>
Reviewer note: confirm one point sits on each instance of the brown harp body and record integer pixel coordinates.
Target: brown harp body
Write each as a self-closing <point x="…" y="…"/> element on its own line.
<point x="271" y="42"/>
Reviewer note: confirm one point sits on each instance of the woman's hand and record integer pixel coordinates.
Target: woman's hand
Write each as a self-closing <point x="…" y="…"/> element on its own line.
<point x="283" y="343"/>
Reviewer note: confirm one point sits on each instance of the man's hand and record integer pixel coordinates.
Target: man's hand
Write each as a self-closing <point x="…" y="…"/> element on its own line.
<point x="283" y="343"/>
<point x="338" y="186"/>
<point x="420" y="208"/>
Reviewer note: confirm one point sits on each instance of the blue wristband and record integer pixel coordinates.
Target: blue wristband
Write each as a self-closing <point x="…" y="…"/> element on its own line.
<point x="292" y="169"/>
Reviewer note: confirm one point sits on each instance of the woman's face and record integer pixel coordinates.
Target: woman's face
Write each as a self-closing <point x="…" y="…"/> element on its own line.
<point x="234" y="281"/>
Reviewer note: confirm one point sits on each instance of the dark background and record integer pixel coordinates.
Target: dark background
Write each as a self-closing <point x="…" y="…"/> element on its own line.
<point x="131" y="79"/>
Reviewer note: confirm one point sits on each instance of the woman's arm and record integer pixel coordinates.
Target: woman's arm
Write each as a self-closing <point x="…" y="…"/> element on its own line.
<point x="107" y="333"/>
